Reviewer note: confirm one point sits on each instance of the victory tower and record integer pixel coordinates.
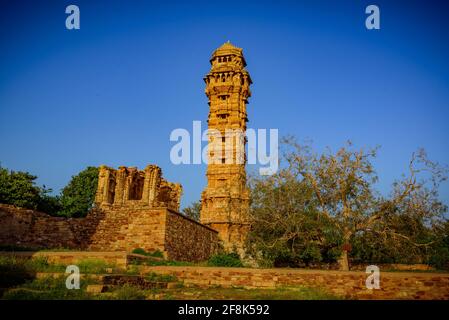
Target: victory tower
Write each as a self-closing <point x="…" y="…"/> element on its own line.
<point x="225" y="201"/>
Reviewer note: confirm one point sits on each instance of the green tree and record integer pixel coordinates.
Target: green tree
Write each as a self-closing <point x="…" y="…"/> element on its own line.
<point x="18" y="188"/>
<point x="286" y="227"/>
<point x="343" y="185"/>
<point x="440" y="249"/>
<point x="48" y="203"/>
<point x="78" y="196"/>
<point x="327" y="202"/>
<point x="193" y="211"/>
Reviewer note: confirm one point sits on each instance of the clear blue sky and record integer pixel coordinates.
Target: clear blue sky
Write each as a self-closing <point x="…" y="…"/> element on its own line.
<point x="111" y="92"/>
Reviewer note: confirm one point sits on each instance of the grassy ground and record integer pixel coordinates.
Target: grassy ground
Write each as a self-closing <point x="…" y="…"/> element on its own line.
<point x="41" y="264"/>
<point x="51" y="288"/>
<point x="18" y="282"/>
<point x="290" y="293"/>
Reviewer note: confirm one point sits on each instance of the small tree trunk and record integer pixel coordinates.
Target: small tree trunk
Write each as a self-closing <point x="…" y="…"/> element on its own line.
<point x="343" y="261"/>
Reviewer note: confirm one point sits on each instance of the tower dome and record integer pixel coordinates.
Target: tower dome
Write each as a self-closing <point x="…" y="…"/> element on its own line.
<point x="228" y="49"/>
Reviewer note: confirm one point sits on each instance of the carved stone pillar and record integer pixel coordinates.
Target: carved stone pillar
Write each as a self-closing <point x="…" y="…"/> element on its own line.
<point x="101" y="186"/>
<point x="120" y="186"/>
<point x="151" y="182"/>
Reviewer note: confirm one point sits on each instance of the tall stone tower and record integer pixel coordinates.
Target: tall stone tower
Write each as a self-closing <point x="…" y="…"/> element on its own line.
<point x="225" y="201"/>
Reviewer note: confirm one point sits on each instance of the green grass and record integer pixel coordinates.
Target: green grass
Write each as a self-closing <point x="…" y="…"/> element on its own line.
<point x="128" y="292"/>
<point x="94" y="266"/>
<point x="14" y="272"/>
<point x="41" y="264"/>
<point x="132" y="270"/>
<point x="49" y="288"/>
<point x="157" y="253"/>
<point x="217" y="292"/>
<point x="225" y="260"/>
<point x="170" y="263"/>
<point x="156" y="277"/>
<point x="17" y="275"/>
<point x="218" y="260"/>
<point x="54" y="288"/>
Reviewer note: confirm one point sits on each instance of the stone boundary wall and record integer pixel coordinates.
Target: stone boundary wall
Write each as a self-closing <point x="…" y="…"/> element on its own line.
<point x="119" y="259"/>
<point x="394" y="266"/>
<point x="33" y="229"/>
<point x="115" y="229"/>
<point x="187" y="239"/>
<point x="348" y="284"/>
<point x="126" y="229"/>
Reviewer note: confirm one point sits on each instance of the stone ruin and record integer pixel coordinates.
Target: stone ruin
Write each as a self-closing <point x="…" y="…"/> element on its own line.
<point x="133" y="209"/>
<point x="130" y="187"/>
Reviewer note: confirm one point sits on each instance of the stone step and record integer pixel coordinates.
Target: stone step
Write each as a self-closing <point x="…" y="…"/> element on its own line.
<point x="113" y="280"/>
<point x="138" y="281"/>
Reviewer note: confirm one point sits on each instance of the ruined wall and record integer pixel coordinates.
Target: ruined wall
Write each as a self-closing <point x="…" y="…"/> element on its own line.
<point x="177" y="236"/>
<point x="133" y="209"/>
<point x="28" y="228"/>
<point x="130" y="187"/>
<point x="186" y="239"/>
<point x="126" y="229"/>
<point x="114" y="229"/>
<point x="349" y="284"/>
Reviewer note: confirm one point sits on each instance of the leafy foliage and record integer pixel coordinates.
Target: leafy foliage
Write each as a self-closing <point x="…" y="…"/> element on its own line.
<point x="78" y="196"/>
<point x="287" y="229"/>
<point x="128" y="292"/>
<point x="225" y="260"/>
<point x="156" y="277"/>
<point x="48" y="288"/>
<point x="156" y="253"/>
<point x="19" y="189"/>
<point x="14" y="272"/>
<point x="319" y="206"/>
<point x="193" y="211"/>
<point x="440" y="249"/>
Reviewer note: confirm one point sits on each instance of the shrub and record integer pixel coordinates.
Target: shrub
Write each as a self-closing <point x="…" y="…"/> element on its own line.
<point x="48" y="288"/>
<point x="155" y="277"/>
<point x="140" y="251"/>
<point x="19" y="189"/>
<point x="93" y="266"/>
<point x="157" y="253"/>
<point x="78" y="196"/>
<point x="168" y="263"/>
<point x="225" y="260"/>
<point x="13" y="272"/>
<point x="128" y="292"/>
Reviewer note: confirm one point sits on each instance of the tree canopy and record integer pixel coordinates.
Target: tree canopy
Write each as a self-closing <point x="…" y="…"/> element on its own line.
<point x="324" y="207"/>
<point x="19" y="188"/>
<point x="193" y="211"/>
<point x="76" y="199"/>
